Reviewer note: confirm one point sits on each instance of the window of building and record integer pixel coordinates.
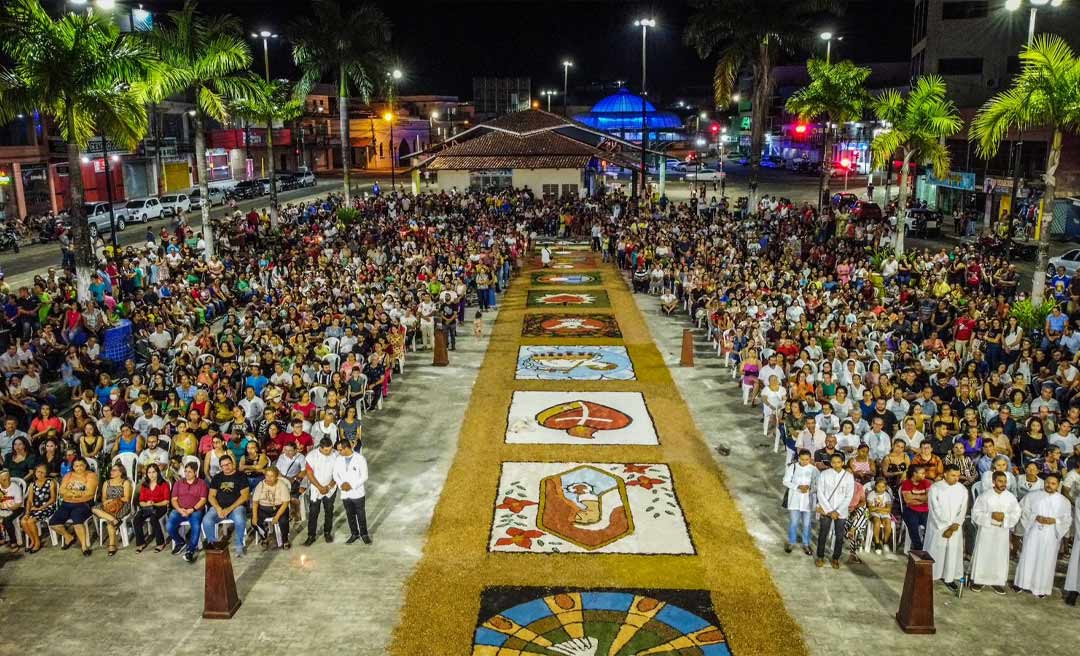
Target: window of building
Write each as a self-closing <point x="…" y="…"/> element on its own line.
<point x="922" y="13"/>
<point x="570" y="191"/>
<point x="960" y="66"/>
<point x="962" y="10"/>
<point x="918" y="64"/>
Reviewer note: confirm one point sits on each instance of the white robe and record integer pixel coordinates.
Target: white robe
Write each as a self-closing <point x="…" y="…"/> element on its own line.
<point x="1072" y="576"/>
<point x="948" y="505"/>
<point x="796" y="475"/>
<point x="1039" y="555"/>
<point x="990" y="558"/>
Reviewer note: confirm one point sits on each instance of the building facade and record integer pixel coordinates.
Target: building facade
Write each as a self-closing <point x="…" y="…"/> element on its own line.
<point x="495" y="96"/>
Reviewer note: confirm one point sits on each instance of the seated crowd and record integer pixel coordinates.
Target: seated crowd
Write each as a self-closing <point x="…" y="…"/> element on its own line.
<point x="251" y="374"/>
<point x="899" y="373"/>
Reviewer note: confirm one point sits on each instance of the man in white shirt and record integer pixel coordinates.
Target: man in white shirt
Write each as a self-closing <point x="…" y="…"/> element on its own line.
<point x="835" y="487"/>
<point x="323" y="490"/>
<point x="11" y="431"/>
<point x="350" y="474"/>
<point x="153" y="453"/>
<point x="252" y="405"/>
<point x="994" y="514"/>
<point x="878" y="440"/>
<point x="859" y="424"/>
<point x="810" y="438"/>
<point x="1046" y="515"/>
<point x="827" y="422"/>
<point x="773" y="368"/>
<point x="293" y="467"/>
<point x="148" y="421"/>
<point x="800" y="479"/>
<point x="948" y="501"/>
<point x="160" y="339"/>
<point x="325" y="427"/>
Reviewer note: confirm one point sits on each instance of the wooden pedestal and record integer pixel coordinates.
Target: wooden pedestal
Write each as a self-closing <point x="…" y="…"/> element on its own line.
<point x="441" y="358"/>
<point x="916" y="614"/>
<point x="220" y="600"/>
<point x="687" y="359"/>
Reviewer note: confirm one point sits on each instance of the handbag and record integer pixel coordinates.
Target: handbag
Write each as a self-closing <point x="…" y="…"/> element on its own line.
<point x="787" y="491"/>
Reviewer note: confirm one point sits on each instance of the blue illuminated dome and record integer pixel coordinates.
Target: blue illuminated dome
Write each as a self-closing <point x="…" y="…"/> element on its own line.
<point x="620" y="114"/>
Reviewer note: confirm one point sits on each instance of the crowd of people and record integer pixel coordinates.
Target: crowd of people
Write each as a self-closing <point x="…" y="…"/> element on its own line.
<point x="241" y="407"/>
<point x="913" y="409"/>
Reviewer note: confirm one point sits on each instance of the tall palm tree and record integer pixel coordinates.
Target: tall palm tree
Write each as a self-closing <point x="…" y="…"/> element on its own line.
<point x="272" y="102"/>
<point x="206" y="58"/>
<point x="90" y="79"/>
<point x="917" y="127"/>
<point x="837" y="93"/>
<point x="348" y="43"/>
<point x="1046" y="93"/>
<point x="754" y="32"/>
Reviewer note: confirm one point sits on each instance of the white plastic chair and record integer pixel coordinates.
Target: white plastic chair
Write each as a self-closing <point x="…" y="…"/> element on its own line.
<point x="195" y="459"/>
<point x="334" y="360"/>
<point x="277" y="529"/>
<point x="130" y="461"/>
<point x="318" y="396"/>
<point x="332" y="343"/>
<point x="126" y="524"/>
<point x="206" y="358"/>
<point x="19" y="538"/>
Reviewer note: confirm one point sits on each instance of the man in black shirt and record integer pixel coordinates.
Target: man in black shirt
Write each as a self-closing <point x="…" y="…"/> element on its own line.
<point x="228" y="501"/>
<point x="448" y="320"/>
<point x="887" y="417"/>
<point x="823" y="457"/>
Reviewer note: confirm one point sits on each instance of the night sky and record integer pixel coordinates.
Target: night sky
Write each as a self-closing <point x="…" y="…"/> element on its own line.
<point x="442" y="44"/>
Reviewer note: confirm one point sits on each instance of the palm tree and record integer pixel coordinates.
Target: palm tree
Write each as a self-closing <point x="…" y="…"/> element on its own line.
<point x="348" y="43"/>
<point x="90" y="79"/>
<point x="272" y="102"/>
<point x="917" y="127"/>
<point x="835" y="92"/>
<point x="206" y="58"/>
<point x="1046" y="93"/>
<point x="753" y="32"/>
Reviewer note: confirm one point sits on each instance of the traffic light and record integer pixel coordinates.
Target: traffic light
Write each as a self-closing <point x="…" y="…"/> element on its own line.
<point x="845" y="162"/>
<point x="715" y="127"/>
<point x="800" y="128"/>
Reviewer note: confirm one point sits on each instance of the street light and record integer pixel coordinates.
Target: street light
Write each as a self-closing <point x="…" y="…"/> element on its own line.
<point x="1014" y="5"/>
<point x="565" y="78"/>
<point x="644" y="24"/>
<point x="549" y="93"/>
<point x="107" y="5"/>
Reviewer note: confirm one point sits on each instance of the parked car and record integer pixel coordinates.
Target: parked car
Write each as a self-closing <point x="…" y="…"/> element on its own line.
<point x="174" y="204"/>
<point x="921" y="222"/>
<point x="867" y="211"/>
<point x="1070" y="260"/>
<point x="772" y="162"/>
<point x="802" y="166"/>
<point x="246" y="189"/>
<point x="216" y="195"/>
<point x="304" y="177"/>
<point x="265" y="182"/>
<point x="844" y="199"/>
<point x="144" y="210"/>
<point x="285" y="181"/>
<point x="704" y="174"/>
<point x="99" y="221"/>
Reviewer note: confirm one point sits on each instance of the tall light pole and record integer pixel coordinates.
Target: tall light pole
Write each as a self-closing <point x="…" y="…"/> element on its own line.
<point x="644" y="24"/>
<point x="565" y="80"/>
<point x="549" y="93"/>
<point x="266" y="35"/>
<point x="1018" y="147"/>
<point x="395" y="76"/>
<point x="827" y="38"/>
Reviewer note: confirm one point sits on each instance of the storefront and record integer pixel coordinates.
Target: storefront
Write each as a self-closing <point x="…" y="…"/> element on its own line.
<point x="953" y="192"/>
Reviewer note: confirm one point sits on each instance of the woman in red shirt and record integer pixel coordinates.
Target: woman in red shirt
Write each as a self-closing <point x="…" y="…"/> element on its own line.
<point x="153" y="504"/>
<point x="45" y="422"/>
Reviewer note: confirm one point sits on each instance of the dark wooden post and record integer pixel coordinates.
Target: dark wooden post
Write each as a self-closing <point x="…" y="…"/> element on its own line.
<point x="687" y="359"/>
<point x="220" y="600"/>
<point x="441" y="359"/>
<point x="916" y="614"/>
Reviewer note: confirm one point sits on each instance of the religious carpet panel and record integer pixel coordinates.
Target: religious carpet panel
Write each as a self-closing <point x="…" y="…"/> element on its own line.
<point x="568" y="507"/>
<point x="579" y="418"/>
<point x="570" y="325"/>
<point x="527" y="621"/>
<point x="545" y="362"/>
<point x="539" y="298"/>
<point x="549" y="279"/>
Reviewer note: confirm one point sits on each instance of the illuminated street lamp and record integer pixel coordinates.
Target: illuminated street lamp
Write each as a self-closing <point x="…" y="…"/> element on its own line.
<point x="644" y="24"/>
<point x="565" y="79"/>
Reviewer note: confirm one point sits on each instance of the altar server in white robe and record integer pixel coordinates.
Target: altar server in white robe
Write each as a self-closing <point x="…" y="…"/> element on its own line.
<point x="1046" y="516"/>
<point x="1072" y="577"/>
<point x="994" y="514"/>
<point x="948" y="501"/>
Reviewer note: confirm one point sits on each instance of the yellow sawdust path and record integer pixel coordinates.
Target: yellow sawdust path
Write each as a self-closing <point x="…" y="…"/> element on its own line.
<point x="443" y="595"/>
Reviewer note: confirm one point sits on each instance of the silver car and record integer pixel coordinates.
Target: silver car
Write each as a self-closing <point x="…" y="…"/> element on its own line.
<point x="1069" y="260"/>
<point x="99" y="220"/>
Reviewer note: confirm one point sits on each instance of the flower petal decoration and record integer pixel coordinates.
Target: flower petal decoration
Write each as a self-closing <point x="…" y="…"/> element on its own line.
<point x="514" y="505"/>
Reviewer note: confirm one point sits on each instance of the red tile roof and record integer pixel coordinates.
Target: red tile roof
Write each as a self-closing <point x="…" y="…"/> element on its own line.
<point x="488" y="162"/>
